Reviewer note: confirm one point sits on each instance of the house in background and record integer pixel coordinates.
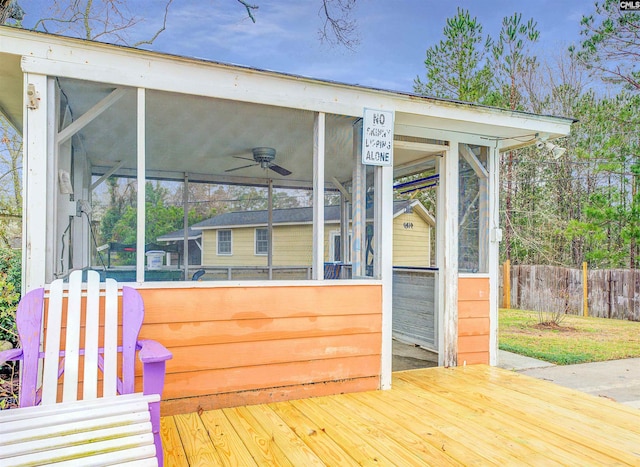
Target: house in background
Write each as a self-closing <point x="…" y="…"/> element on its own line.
<point x="240" y="239"/>
<point x="93" y="113"/>
<point x="194" y="247"/>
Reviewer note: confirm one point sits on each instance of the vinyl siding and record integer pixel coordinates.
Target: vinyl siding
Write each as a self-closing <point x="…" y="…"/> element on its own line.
<point x="411" y="245"/>
<point x="292" y="245"/>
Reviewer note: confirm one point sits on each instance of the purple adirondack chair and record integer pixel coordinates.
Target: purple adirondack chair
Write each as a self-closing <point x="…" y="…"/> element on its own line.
<point x="29" y="318"/>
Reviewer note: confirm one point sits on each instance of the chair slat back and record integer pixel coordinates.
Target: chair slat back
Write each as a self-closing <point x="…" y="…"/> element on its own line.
<point x="133" y="309"/>
<point x="91" y="337"/>
<point x="72" y="343"/>
<point x="85" y="349"/>
<point x="111" y="338"/>
<point x="52" y="347"/>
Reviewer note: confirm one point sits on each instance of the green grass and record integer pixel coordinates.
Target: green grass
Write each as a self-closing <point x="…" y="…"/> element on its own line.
<point x="576" y="340"/>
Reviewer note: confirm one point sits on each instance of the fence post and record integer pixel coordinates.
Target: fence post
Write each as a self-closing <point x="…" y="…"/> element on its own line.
<point x="585" y="290"/>
<point x="506" y="289"/>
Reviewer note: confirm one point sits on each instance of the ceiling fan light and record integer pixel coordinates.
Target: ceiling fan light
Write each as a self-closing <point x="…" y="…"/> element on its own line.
<point x="264" y="153"/>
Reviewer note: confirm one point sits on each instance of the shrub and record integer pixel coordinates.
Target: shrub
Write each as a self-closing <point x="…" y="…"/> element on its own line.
<point x="10" y="283"/>
<point x="11" y="264"/>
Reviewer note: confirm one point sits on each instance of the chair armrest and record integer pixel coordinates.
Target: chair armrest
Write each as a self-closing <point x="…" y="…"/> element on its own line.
<point x="153" y="356"/>
<point x="152" y="351"/>
<point x="10" y="355"/>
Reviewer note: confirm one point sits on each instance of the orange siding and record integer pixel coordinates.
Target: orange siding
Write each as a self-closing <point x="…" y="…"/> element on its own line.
<point x="473" y="320"/>
<point x="239" y="345"/>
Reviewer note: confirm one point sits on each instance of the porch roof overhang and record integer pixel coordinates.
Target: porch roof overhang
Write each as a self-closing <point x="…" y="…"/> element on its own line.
<point x="227" y="109"/>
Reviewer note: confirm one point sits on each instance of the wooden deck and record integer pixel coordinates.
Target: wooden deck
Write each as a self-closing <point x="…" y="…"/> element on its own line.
<point x="464" y="416"/>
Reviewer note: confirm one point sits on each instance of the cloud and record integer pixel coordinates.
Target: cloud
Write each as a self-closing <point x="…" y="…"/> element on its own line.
<point x="223" y="29"/>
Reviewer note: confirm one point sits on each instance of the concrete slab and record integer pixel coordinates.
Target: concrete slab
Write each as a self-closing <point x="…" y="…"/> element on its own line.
<point x="412" y="357"/>
<point x="512" y="361"/>
<point x="618" y="380"/>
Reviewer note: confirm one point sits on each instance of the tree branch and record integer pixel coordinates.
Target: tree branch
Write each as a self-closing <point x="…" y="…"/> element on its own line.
<point x="159" y="31"/>
<point x="249" y="8"/>
<point x="339" y="26"/>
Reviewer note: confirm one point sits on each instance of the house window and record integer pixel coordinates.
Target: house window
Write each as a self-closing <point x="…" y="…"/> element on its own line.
<point x="262" y="241"/>
<point x="224" y="242"/>
<point x="335" y="248"/>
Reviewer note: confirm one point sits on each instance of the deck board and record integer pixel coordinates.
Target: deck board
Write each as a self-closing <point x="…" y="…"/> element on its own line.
<point x="196" y="442"/>
<point x="543" y="409"/>
<point x="227" y="441"/>
<point x="171" y="443"/>
<point x="474" y="415"/>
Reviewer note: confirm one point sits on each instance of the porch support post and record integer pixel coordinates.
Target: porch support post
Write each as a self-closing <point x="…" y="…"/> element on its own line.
<point x="36" y="188"/>
<point x="358" y="206"/>
<point x="270" y="229"/>
<point x="448" y="355"/>
<point x="495" y="235"/>
<point x="318" y="196"/>
<point x="383" y="263"/>
<point x="142" y="184"/>
<point x="185" y="227"/>
<point x="57" y="205"/>
<point x="345" y="198"/>
<point x="344" y="233"/>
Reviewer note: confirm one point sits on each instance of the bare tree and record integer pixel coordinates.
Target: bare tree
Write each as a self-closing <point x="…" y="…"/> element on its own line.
<point x="112" y="20"/>
<point x="338" y="26"/>
<point x="10" y="183"/>
<point x="107" y="20"/>
<point x="10" y="10"/>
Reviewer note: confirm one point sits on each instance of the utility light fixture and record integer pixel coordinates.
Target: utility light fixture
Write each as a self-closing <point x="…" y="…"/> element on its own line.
<point x="555" y="150"/>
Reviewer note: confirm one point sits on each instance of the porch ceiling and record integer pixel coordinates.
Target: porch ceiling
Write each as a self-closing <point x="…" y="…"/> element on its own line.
<point x="11" y="86"/>
<point x="206" y="136"/>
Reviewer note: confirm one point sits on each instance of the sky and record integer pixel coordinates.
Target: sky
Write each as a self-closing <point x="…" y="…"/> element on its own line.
<point x="393" y="34"/>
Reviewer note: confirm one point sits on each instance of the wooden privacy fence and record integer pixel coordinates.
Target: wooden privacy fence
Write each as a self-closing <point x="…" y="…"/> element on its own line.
<point x="610" y="293"/>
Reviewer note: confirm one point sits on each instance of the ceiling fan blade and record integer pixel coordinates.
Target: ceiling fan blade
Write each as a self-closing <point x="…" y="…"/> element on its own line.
<point x="279" y="170"/>
<point x="245" y="158"/>
<point x="243" y="167"/>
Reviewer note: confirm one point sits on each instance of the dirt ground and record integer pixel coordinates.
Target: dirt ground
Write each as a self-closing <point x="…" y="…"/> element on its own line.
<point x="8" y="390"/>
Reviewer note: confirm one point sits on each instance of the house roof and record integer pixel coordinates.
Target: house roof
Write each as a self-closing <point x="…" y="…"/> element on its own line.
<point x="179" y="235"/>
<point x="203" y="115"/>
<point x="290" y="216"/>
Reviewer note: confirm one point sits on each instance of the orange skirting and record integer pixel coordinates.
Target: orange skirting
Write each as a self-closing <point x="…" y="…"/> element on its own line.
<point x="237" y="345"/>
<point x="473" y="320"/>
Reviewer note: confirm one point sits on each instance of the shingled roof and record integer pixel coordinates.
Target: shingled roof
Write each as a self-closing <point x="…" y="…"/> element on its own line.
<point x="179" y="235"/>
<point x="281" y="216"/>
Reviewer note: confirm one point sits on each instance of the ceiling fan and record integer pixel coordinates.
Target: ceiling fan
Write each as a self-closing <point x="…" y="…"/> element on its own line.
<point x="263" y="157"/>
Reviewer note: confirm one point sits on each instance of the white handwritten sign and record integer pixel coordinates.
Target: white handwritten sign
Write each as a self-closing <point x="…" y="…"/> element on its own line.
<point x="377" y="137"/>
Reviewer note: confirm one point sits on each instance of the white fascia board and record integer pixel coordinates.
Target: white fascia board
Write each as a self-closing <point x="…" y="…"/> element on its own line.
<point x="483" y="126"/>
<point x="225" y="82"/>
<point x="177" y="239"/>
<point x="59" y="56"/>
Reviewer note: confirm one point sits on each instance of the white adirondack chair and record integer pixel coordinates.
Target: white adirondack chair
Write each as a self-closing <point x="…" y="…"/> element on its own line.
<point x="82" y="419"/>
